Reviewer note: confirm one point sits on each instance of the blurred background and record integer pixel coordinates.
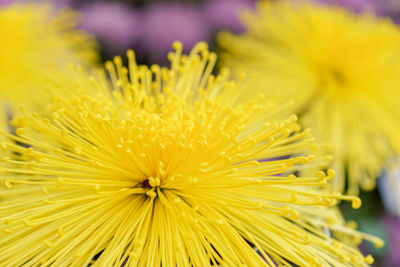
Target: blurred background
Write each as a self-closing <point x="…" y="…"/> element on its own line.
<point x="149" y="27"/>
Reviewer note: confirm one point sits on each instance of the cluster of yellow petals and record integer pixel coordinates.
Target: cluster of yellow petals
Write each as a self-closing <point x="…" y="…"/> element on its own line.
<point x="166" y="167"/>
<point x="341" y="69"/>
<point x="36" y="44"/>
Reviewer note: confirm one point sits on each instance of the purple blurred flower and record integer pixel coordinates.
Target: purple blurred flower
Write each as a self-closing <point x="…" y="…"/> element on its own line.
<point x="55" y="3"/>
<point x="392" y="225"/>
<point x="224" y="13"/>
<point x="6" y="2"/>
<point x="116" y="25"/>
<point x="164" y="24"/>
<point x="391" y="8"/>
<point x="393" y="5"/>
<point x="357" y="5"/>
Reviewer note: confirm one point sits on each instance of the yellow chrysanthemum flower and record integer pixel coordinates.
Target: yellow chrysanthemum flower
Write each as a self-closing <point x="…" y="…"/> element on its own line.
<point x="36" y="43"/>
<point x="160" y="167"/>
<point x="342" y="70"/>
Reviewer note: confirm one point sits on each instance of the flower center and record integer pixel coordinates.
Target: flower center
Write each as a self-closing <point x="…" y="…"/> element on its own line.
<point x="331" y="76"/>
<point x="337" y="76"/>
<point x="151" y="184"/>
<point x="145" y="184"/>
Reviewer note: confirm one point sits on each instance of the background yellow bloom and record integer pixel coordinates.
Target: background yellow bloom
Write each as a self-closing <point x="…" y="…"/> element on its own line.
<point x="341" y="69"/>
<point x="37" y="42"/>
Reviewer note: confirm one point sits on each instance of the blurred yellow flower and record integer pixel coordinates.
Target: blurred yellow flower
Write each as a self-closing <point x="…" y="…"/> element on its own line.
<point x="341" y="69"/>
<point x="160" y="167"/>
<point x="36" y="44"/>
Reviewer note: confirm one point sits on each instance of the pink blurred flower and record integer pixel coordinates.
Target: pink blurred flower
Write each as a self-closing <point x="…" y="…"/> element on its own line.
<point x="357" y="5"/>
<point x="6" y="2"/>
<point x="392" y="225"/>
<point x="391" y="8"/>
<point x="224" y="13"/>
<point x="164" y="24"/>
<point x="393" y="5"/>
<point x="55" y="3"/>
<point x="116" y="25"/>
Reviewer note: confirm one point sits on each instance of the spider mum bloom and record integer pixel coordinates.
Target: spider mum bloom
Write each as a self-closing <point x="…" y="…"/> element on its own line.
<point x="36" y="43"/>
<point x="160" y="167"/>
<point x="342" y="69"/>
